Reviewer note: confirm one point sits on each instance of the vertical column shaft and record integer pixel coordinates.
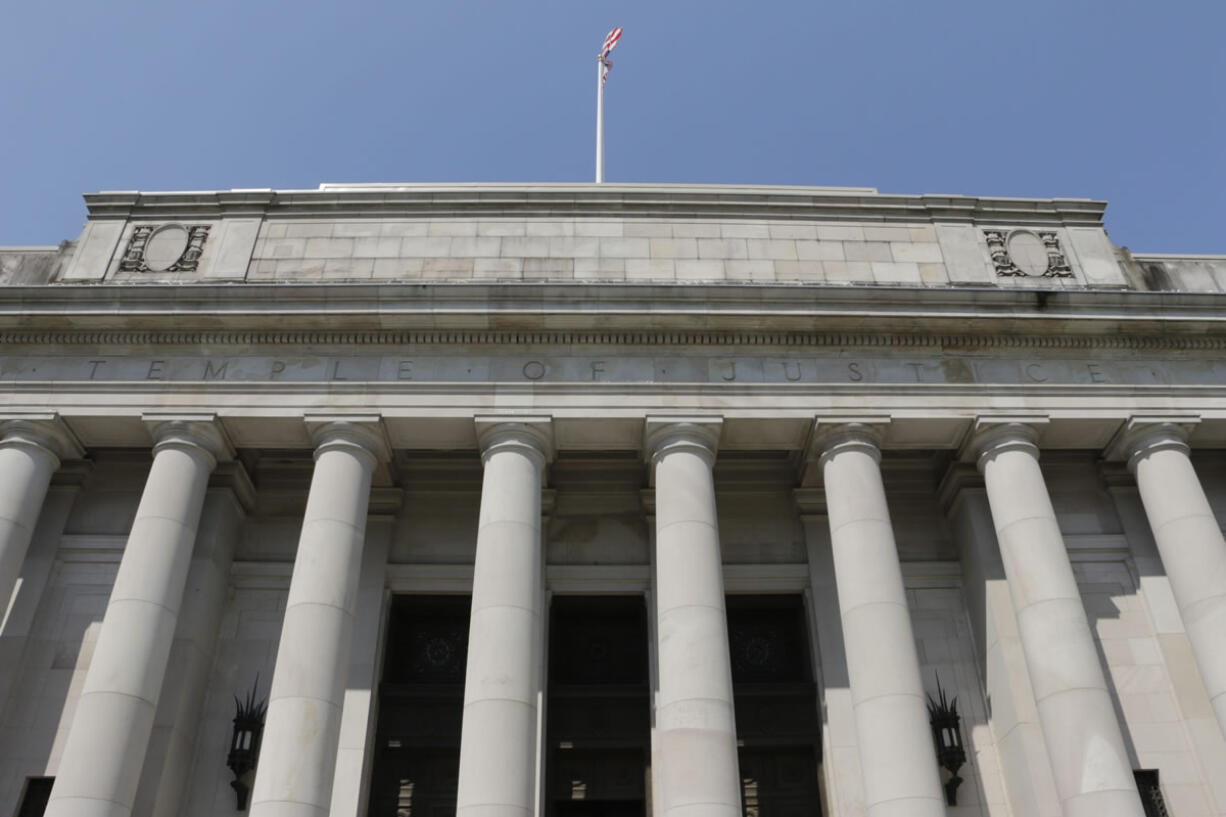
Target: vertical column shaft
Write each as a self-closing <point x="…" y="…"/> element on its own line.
<point x="29" y="454"/>
<point x="176" y="723"/>
<point x="896" y="752"/>
<point x="107" y="742"/>
<point x="1190" y="543"/>
<point x="1091" y="767"/>
<point x="298" y="755"/>
<point x="498" y="740"/>
<point x="695" y="723"/>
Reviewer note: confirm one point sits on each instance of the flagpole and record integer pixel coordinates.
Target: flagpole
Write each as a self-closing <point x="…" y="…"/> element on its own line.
<point x="600" y="119"/>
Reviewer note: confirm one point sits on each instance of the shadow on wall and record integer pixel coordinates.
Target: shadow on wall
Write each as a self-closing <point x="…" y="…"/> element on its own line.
<point x="1111" y="626"/>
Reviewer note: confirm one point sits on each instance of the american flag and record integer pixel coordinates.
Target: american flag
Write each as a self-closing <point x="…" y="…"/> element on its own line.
<point x="610" y="41"/>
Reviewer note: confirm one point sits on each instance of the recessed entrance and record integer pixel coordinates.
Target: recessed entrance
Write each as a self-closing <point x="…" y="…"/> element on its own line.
<point x="776" y="707"/>
<point x="599" y="717"/>
<point x="421" y="698"/>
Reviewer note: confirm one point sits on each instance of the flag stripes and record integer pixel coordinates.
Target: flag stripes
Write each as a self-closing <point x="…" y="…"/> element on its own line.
<point x="610" y="41"/>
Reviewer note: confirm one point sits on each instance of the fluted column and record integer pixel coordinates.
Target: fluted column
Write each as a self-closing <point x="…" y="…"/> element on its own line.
<point x="1091" y="767"/>
<point x="106" y="745"/>
<point x="30" y="452"/>
<point x="298" y="754"/>
<point x="1189" y="541"/>
<point x="498" y="738"/>
<point x="897" y="758"/>
<point x="695" y="723"/>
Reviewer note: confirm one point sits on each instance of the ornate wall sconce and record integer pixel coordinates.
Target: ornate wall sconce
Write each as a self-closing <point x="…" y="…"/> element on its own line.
<point x="947" y="737"/>
<point x="245" y="742"/>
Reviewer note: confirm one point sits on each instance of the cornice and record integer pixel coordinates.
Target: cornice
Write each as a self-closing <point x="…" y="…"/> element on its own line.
<point x="589" y="200"/>
<point x="613" y="310"/>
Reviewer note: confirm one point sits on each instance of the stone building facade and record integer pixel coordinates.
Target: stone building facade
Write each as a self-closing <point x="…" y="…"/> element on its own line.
<point x="610" y="500"/>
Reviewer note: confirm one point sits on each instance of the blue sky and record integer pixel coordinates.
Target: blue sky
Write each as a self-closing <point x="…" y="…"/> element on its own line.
<point x="1117" y="100"/>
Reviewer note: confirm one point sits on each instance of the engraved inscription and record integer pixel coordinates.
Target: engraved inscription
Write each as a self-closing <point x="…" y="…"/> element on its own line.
<point x="921" y="372"/>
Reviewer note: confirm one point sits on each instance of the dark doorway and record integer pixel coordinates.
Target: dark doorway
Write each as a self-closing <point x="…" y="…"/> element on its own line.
<point x="581" y="808"/>
<point x="776" y="706"/>
<point x="34" y="800"/>
<point x="598" y="716"/>
<point x="421" y="699"/>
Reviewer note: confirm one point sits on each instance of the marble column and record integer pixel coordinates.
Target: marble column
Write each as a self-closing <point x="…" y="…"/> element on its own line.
<point x="1190" y="543"/>
<point x="695" y="723"/>
<point x="176" y="723"/>
<point x="1025" y="767"/>
<point x="109" y="737"/>
<point x="1091" y="766"/>
<point x="498" y="738"/>
<point x="897" y="758"/>
<point x="297" y="759"/>
<point x="18" y="635"/>
<point x="30" y="452"/>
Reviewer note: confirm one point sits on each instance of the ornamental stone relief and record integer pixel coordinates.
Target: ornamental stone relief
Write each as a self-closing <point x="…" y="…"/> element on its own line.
<point x="1026" y="254"/>
<point x="164" y="248"/>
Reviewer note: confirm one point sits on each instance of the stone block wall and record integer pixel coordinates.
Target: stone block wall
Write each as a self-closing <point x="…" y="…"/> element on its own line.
<point x="654" y="250"/>
<point x="1158" y="732"/>
<point x="593" y="249"/>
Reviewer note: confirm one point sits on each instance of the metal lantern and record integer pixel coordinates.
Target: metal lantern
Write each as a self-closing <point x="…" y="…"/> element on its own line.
<point x="947" y="738"/>
<point x="245" y="742"/>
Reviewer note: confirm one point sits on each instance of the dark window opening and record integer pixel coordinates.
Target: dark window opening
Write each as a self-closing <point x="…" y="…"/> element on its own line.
<point x="1151" y="793"/>
<point x="777" y="723"/>
<point x="599" y="710"/>
<point x="34" y="799"/>
<point x="421" y="700"/>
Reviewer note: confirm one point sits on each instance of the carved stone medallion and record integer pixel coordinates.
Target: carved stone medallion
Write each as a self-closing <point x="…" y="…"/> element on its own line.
<point x="1022" y="253"/>
<point x="165" y="248"/>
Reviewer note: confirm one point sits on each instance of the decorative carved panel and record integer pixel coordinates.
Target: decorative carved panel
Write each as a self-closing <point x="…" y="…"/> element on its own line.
<point x="598" y="641"/>
<point x="1026" y="254"/>
<point x="427" y="641"/>
<point x="767" y="641"/>
<point x="164" y="248"/>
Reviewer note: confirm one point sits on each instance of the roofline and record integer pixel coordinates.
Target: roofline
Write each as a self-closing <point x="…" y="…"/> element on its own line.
<point x="1173" y="256"/>
<point x="611" y="307"/>
<point x="594" y="200"/>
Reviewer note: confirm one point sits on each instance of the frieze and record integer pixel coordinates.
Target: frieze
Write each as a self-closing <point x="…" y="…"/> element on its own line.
<point x="837" y="367"/>
<point x="496" y="338"/>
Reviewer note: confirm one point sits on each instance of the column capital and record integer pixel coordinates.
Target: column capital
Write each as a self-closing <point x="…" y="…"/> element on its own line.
<point x="362" y="434"/>
<point x="529" y="434"/>
<point x="993" y="435"/>
<point x="836" y="436"/>
<point x="1143" y="435"/>
<point x="45" y="431"/>
<point x="198" y="432"/>
<point x="697" y="434"/>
